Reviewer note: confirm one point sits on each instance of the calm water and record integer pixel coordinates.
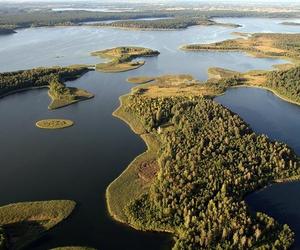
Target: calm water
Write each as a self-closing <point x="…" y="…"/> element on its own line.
<point x="79" y="162"/>
<point x="76" y="163"/>
<point x="64" y="46"/>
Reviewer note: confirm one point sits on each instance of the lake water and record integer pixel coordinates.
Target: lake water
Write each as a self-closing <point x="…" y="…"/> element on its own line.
<point x="79" y="162"/>
<point x="280" y="120"/>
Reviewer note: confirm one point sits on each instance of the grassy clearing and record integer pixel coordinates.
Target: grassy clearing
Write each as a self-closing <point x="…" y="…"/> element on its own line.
<point x="122" y="58"/>
<point x="174" y="85"/>
<point x="26" y="221"/>
<point x="119" y="67"/>
<point x="220" y="73"/>
<point x="258" y="79"/>
<point x="54" y="123"/>
<point x="140" y="79"/>
<point x="284" y="46"/>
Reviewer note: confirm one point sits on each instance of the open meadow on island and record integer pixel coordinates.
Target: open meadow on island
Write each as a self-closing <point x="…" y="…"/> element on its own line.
<point x="149" y="125"/>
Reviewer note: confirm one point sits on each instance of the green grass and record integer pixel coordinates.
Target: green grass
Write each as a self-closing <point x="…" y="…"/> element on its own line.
<point x="140" y="79"/>
<point x="128" y="186"/>
<point x="54" y="123"/>
<point x="67" y="96"/>
<point x="25" y="222"/>
<point x="118" y="67"/>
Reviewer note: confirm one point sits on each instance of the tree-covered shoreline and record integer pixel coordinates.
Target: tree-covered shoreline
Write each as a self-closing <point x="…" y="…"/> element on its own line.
<point x="164" y="24"/>
<point x="209" y="159"/>
<point x="52" y="78"/>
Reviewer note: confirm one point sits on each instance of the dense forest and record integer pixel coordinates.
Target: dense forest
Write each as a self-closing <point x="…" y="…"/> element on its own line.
<point x="38" y="77"/>
<point x="285" y="83"/>
<point x="171" y="23"/>
<point x="50" y="18"/>
<point x="209" y="160"/>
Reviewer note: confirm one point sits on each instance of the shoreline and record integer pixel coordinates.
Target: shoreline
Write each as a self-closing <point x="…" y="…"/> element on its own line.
<point x="146" y="137"/>
<point x="161" y="29"/>
<point x="66" y="104"/>
<point x="274" y="92"/>
<point x="247" y="52"/>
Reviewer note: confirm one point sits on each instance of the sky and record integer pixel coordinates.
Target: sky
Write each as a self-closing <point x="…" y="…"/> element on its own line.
<point x="151" y="1"/>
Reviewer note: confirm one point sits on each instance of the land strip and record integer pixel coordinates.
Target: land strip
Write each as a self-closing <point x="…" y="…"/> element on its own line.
<point x="122" y="58"/>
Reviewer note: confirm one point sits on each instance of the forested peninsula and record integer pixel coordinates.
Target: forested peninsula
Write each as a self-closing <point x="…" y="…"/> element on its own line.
<point x="202" y="160"/>
<point x="164" y="24"/>
<point x="53" y="78"/>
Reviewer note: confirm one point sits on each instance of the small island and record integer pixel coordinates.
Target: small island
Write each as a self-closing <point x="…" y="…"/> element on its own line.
<point x="122" y="58"/>
<point x="24" y="222"/>
<point x="258" y="44"/>
<point x="54" y="123"/>
<point x="175" y="23"/>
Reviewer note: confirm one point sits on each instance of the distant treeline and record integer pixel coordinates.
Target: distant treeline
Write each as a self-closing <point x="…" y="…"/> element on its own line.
<point x="38" y="77"/>
<point x="50" y="18"/>
<point x="171" y="23"/>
